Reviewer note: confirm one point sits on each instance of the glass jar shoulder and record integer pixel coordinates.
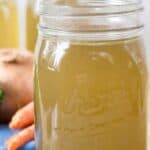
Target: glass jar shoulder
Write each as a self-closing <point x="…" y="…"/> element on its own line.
<point x="117" y="53"/>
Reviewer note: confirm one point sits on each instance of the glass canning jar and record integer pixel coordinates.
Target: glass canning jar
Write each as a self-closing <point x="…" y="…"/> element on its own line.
<point x="31" y="24"/>
<point x="90" y="76"/>
<point x="9" y="24"/>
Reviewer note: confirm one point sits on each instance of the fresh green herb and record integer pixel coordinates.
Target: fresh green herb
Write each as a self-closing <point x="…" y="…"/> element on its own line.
<point x="2" y="95"/>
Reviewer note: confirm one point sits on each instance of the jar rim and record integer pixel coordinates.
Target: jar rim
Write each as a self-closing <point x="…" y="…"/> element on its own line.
<point x="91" y="8"/>
<point x="114" y="20"/>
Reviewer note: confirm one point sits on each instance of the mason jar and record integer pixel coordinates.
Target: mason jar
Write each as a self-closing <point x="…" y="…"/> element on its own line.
<point x="31" y="24"/>
<point x="90" y="76"/>
<point x="9" y="24"/>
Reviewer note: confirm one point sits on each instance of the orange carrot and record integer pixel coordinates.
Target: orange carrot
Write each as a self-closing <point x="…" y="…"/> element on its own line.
<point x="23" y="118"/>
<point x="21" y="138"/>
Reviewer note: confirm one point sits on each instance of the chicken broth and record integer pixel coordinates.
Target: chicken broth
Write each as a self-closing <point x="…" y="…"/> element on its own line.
<point x="31" y="28"/>
<point x="9" y="26"/>
<point x="91" y="95"/>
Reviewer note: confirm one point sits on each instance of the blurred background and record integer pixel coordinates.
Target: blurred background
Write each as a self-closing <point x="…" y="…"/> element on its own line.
<point x="18" y="24"/>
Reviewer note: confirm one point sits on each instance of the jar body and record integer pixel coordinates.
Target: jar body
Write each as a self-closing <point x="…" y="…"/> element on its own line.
<point x="90" y="95"/>
<point x="9" y="24"/>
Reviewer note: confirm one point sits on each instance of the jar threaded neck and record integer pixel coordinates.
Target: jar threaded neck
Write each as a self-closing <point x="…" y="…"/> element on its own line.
<point x="91" y="18"/>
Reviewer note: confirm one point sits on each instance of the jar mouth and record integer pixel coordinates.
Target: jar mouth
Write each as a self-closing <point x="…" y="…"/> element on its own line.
<point x="92" y="18"/>
<point x="88" y="7"/>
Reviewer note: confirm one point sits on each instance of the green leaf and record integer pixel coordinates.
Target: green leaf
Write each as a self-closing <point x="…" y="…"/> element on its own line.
<point x="2" y="95"/>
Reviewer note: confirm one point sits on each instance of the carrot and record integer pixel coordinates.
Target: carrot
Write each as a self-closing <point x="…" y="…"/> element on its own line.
<point x="21" y="138"/>
<point x="23" y="118"/>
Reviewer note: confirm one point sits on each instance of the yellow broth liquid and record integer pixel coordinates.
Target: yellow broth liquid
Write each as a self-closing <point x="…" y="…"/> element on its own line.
<point x="9" y="26"/>
<point x="90" y="95"/>
<point x="31" y="28"/>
